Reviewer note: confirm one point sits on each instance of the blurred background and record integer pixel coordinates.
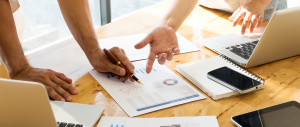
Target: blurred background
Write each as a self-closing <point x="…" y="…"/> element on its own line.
<point x="44" y="22"/>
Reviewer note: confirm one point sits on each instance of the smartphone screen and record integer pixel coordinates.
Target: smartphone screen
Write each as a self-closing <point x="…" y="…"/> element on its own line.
<point x="282" y="115"/>
<point x="234" y="78"/>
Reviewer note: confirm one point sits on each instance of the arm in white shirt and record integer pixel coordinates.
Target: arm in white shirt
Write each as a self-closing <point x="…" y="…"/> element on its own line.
<point x="253" y="14"/>
<point x="162" y="39"/>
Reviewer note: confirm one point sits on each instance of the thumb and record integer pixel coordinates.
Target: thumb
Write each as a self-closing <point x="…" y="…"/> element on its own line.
<point x="144" y="42"/>
<point x="116" y="69"/>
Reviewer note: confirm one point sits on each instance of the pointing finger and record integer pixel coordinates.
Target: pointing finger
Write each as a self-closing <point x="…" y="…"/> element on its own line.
<point x="150" y="62"/>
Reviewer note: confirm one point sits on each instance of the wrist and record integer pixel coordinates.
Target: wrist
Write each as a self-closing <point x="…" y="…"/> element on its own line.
<point x="94" y="56"/>
<point x="14" y="71"/>
<point x="90" y="46"/>
<point x="264" y="3"/>
<point x="168" y="23"/>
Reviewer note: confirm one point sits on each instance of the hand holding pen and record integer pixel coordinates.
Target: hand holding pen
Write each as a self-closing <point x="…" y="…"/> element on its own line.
<point x="102" y="63"/>
<point x="115" y="60"/>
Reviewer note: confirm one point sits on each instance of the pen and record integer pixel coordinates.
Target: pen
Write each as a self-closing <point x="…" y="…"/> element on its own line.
<point x="115" y="60"/>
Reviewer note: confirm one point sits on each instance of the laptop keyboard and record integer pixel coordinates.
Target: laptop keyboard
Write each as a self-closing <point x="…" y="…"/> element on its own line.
<point x="243" y="50"/>
<point x="64" y="124"/>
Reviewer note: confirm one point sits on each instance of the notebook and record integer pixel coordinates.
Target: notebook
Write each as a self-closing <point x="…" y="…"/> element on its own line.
<point x="196" y="72"/>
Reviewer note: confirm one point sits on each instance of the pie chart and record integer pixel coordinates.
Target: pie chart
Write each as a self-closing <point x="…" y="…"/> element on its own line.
<point x="170" y="82"/>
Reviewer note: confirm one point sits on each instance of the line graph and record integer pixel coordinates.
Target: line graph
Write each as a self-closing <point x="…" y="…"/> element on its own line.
<point x="129" y="89"/>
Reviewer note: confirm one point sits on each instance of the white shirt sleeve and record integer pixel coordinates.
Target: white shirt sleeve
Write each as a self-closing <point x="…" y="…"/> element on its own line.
<point x="14" y="4"/>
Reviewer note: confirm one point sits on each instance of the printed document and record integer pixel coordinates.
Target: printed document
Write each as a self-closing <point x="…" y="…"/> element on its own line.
<point x="198" y="121"/>
<point x="162" y="89"/>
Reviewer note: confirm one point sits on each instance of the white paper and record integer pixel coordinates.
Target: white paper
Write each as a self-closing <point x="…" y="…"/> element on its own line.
<point x="162" y="89"/>
<point x="200" y="121"/>
<point x="127" y="43"/>
<point x="112" y="121"/>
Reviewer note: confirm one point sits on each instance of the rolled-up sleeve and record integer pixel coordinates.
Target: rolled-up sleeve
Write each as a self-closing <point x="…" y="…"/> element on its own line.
<point x="14" y="4"/>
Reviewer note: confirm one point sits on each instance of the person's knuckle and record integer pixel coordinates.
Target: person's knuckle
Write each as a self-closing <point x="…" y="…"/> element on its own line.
<point x="61" y="83"/>
<point x="41" y="77"/>
<point x="261" y="17"/>
<point x="49" y="89"/>
<point x="57" y="86"/>
<point x="115" y="48"/>
<point x="61" y="74"/>
<point x="246" y="20"/>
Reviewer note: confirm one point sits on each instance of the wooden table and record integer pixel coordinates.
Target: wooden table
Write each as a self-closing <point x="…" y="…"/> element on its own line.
<point x="282" y="77"/>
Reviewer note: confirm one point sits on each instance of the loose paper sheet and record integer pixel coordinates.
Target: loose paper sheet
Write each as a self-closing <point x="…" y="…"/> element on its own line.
<point x="127" y="43"/>
<point x="199" y="121"/>
<point x="162" y="89"/>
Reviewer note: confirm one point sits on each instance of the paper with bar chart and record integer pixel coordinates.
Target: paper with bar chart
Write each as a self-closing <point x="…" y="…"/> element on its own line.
<point x="127" y="43"/>
<point x="162" y="88"/>
<point x="106" y="121"/>
<point x="199" y="121"/>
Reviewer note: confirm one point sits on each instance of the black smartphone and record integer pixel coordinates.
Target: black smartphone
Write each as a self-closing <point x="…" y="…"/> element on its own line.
<point x="234" y="80"/>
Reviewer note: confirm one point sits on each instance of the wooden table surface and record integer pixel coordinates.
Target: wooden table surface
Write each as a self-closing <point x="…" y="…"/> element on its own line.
<point x="282" y="77"/>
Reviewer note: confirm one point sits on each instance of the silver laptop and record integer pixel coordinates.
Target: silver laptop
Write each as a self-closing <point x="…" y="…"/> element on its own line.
<point x="26" y="104"/>
<point x="279" y="40"/>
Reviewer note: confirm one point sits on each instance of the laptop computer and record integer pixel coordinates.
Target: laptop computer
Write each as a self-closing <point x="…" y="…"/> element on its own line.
<point x="279" y="40"/>
<point x="26" y="104"/>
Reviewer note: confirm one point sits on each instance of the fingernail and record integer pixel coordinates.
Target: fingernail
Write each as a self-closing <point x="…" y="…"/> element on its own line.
<point x="164" y="56"/>
<point x="69" y="98"/>
<point x="170" y="51"/>
<point x="75" y="92"/>
<point x="63" y="100"/>
<point x="122" y="72"/>
<point x="175" y="49"/>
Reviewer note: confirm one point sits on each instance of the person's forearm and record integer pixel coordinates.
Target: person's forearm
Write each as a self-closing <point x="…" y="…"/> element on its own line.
<point x="263" y="2"/>
<point x="78" y="18"/>
<point x="11" y="51"/>
<point x="177" y="12"/>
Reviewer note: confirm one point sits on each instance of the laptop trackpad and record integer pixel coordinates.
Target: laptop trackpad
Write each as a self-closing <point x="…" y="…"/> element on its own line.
<point x="56" y="105"/>
<point x="86" y="115"/>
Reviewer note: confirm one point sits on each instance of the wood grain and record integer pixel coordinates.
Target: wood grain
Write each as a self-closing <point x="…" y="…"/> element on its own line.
<point x="282" y="77"/>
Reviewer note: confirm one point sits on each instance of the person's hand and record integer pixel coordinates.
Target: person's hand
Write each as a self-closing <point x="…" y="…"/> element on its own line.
<point x="102" y="63"/>
<point x="253" y="14"/>
<point x="163" y="43"/>
<point x="57" y="84"/>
